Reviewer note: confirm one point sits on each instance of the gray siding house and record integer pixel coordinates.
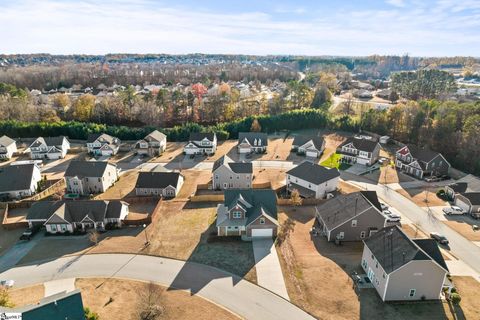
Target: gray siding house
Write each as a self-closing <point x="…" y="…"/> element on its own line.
<point x="421" y="162"/>
<point x="469" y="183"/>
<point x="309" y="146"/>
<point x="153" y="144"/>
<point x="404" y="269"/>
<point x="160" y="184"/>
<point x="470" y="202"/>
<point x="51" y="148"/>
<point x="90" y="177"/>
<point x="351" y="217"/>
<point x="359" y="150"/>
<point x="227" y="174"/>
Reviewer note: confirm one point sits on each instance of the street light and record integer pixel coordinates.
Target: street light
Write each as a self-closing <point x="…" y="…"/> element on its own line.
<point x="146" y="236"/>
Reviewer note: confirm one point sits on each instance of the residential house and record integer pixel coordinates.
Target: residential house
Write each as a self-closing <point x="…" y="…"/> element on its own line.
<point x="70" y="216"/>
<point x="90" y="177"/>
<point x="7" y="147"/>
<point x="249" y="142"/>
<point x="227" y="174"/>
<point x="469" y="183"/>
<point x="102" y="144"/>
<point x="60" y="306"/>
<point x="153" y="144"/>
<point x="470" y="202"/>
<point x="250" y="213"/>
<point x="404" y="269"/>
<point x="201" y="143"/>
<point x="158" y="183"/>
<point x="350" y="217"/>
<point x="19" y="180"/>
<point x="312" y="180"/>
<point x="51" y="148"/>
<point x="359" y="150"/>
<point x="421" y="162"/>
<point x="309" y="146"/>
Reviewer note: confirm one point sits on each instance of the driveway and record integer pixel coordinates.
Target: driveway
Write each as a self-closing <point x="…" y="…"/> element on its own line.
<point x="359" y="169"/>
<point x="17" y="252"/>
<point x="241" y="297"/>
<point x="269" y="272"/>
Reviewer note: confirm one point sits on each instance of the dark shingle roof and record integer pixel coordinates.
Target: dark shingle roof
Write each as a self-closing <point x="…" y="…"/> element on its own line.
<point x="16" y="177"/>
<point x="199" y="136"/>
<point x="342" y="208"/>
<point x="237" y="167"/>
<point x="423" y="154"/>
<point x="458" y="187"/>
<point x="473" y="197"/>
<point x="251" y="136"/>
<point x="361" y="144"/>
<point x="259" y="199"/>
<point x="102" y="136"/>
<point x="87" y="168"/>
<point x="313" y="172"/>
<point x="301" y="140"/>
<point x="157" y="180"/>
<point x="430" y="247"/>
<point x="54" y="141"/>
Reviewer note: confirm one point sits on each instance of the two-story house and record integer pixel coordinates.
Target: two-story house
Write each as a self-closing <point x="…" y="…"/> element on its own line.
<point x="249" y="142"/>
<point x="51" y="148"/>
<point x="227" y="174"/>
<point x="359" y="150"/>
<point x="469" y="183"/>
<point x="102" y="144"/>
<point x="249" y="213"/>
<point x="90" y="177"/>
<point x="159" y="183"/>
<point x="350" y="217"/>
<point x="69" y="216"/>
<point x="421" y="162"/>
<point x="153" y="144"/>
<point x="7" y="147"/>
<point x="404" y="269"/>
<point x="201" y="143"/>
<point x="19" y="180"/>
<point x="309" y="146"/>
<point x="312" y="180"/>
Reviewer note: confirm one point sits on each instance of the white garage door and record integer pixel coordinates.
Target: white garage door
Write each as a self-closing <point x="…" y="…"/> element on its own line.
<point x="462" y="205"/>
<point x="312" y="154"/>
<point x="362" y="161"/>
<point x="244" y="150"/>
<point x="190" y="151"/>
<point x="257" y="233"/>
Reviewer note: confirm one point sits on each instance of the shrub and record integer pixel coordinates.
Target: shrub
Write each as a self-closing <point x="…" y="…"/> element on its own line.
<point x="455" y="298"/>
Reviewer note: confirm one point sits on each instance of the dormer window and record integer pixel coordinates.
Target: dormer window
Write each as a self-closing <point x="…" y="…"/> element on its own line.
<point x="262" y="220"/>
<point x="236" y="214"/>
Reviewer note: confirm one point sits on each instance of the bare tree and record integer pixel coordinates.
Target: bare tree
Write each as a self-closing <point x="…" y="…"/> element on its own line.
<point x="295" y="198"/>
<point x="94" y="237"/>
<point x="150" y="305"/>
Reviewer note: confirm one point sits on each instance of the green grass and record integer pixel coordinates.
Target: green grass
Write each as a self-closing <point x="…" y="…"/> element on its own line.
<point x="334" y="162"/>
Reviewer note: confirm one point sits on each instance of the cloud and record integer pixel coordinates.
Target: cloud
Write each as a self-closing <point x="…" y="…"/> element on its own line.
<point x="396" y="3"/>
<point x="85" y="26"/>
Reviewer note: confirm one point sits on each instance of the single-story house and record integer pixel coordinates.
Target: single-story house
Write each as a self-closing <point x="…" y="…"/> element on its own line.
<point x="312" y="180"/>
<point x="227" y="174"/>
<point x="7" y="147"/>
<point x="158" y="183"/>
<point x="309" y="146"/>
<point x="404" y="269"/>
<point x="153" y="144"/>
<point x="19" y="180"/>
<point x="201" y="143"/>
<point x="68" y="216"/>
<point x="249" y="213"/>
<point x="90" y="177"/>
<point x="249" y="142"/>
<point x="350" y="217"/>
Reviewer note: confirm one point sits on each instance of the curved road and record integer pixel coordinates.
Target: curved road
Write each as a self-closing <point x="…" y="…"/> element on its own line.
<point x="233" y="293"/>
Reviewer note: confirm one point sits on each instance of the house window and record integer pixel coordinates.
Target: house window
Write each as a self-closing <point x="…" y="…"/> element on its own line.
<point x="248" y="177"/>
<point x="86" y="179"/>
<point x="362" y="235"/>
<point x="354" y="223"/>
<point x="237" y="214"/>
<point x="53" y="227"/>
<point x="238" y="177"/>
<point x="64" y="228"/>
<point x="376" y="265"/>
<point x="231" y="178"/>
<point x="216" y="177"/>
<point x="411" y="294"/>
<point x="384" y="275"/>
<point x="99" y="179"/>
<point x="262" y="220"/>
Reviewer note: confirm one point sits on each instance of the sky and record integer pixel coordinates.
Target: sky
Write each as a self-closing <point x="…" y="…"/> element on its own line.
<point x="301" y="27"/>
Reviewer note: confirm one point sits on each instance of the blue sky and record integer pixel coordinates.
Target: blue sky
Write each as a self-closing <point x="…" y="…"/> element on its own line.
<point x="420" y="28"/>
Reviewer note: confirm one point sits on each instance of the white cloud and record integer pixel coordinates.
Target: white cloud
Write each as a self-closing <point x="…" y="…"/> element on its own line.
<point x="396" y="3"/>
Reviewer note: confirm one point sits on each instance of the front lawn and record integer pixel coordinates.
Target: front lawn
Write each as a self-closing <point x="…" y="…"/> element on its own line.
<point x="334" y="162"/>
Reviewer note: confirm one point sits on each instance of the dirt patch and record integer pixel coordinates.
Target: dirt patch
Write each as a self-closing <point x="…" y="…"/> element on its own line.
<point x="29" y="295"/>
<point x="468" y="289"/>
<point x="173" y="150"/>
<point x="123" y="187"/>
<point x="465" y="229"/>
<point x="346" y="188"/>
<point x="122" y="299"/>
<point x="275" y="176"/>
<point x="227" y="147"/>
<point x="387" y="175"/>
<point x="422" y="197"/>
<point x="413" y="232"/>
<point x="192" y="178"/>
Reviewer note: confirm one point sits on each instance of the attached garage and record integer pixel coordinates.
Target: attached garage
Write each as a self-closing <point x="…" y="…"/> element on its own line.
<point x="244" y="149"/>
<point x="262" y="233"/>
<point x="312" y="153"/>
<point x="470" y="202"/>
<point x="462" y="204"/>
<point x="362" y="161"/>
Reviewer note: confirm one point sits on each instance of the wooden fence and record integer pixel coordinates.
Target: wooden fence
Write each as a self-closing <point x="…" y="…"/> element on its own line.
<point x="305" y="202"/>
<point x="13" y="225"/>
<point x="54" y="188"/>
<point x="208" y="198"/>
<point x="262" y="185"/>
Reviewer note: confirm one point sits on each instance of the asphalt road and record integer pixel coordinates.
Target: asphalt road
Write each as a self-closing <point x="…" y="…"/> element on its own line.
<point x="235" y="294"/>
<point x="462" y="248"/>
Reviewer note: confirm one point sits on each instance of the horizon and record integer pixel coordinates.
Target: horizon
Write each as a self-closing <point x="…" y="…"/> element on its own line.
<point x="434" y="28"/>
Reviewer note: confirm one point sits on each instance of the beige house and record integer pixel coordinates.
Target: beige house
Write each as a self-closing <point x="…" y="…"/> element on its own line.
<point x="7" y="147"/>
<point x="227" y="174"/>
<point x="153" y="145"/>
<point x="102" y="144"/>
<point x="90" y="177"/>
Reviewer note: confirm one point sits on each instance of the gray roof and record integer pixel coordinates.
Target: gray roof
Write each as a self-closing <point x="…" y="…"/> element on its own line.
<point x="458" y="187"/>
<point x="261" y="201"/>
<point x="156" y="135"/>
<point x="75" y="211"/>
<point x="251" y="136"/>
<point x="6" y="141"/>
<point x="342" y="208"/>
<point x="361" y="144"/>
<point x="473" y="197"/>
<point x="393" y="249"/>
<point x="157" y="180"/>
<point x="422" y="153"/>
<point x="16" y="177"/>
<point x="48" y="141"/>
<point x="237" y="167"/>
<point x="472" y="181"/>
<point x="199" y="136"/>
<point x="87" y="168"/>
<point x="103" y="137"/>
<point x="313" y="172"/>
<point x="301" y="140"/>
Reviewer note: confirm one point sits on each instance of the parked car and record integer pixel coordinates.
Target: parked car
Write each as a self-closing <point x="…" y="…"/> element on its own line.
<point x="392" y="217"/>
<point x="453" y="210"/>
<point x="439" y="238"/>
<point x="383" y="206"/>
<point x="386" y="212"/>
<point x="29" y="233"/>
<point x="433" y="179"/>
<point x="7" y="283"/>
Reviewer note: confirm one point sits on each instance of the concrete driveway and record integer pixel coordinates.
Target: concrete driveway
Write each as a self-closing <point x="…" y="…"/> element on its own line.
<point x="18" y="251"/>
<point x="243" y="298"/>
<point x="269" y="271"/>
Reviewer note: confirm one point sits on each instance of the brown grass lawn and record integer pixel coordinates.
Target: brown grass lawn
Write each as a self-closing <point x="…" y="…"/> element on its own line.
<point x="346" y="188"/>
<point x="390" y="174"/>
<point x="275" y="176"/>
<point x="29" y="295"/>
<point x="418" y="197"/>
<point x="126" y="301"/>
<point x="192" y="178"/>
<point x="332" y="141"/>
<point x="468" y="289"/>
<point x="464" y="228"/>
<point x="123" y="187"/>
<point x="8" y="237"/>
<point x="174" y="149"/>
<point x="227" y="147"/>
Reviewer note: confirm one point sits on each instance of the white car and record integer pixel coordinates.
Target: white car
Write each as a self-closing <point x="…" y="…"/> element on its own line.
<point x="7" y="283"/>
<point x="392" y="217"/>
<point x="453" y="210"/>
<point x="386" y="212"/>
<point x="383" y="206"/>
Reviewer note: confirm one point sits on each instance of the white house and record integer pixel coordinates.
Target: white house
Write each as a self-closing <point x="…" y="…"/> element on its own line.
<point x="249" y="142"/>
<point x="201" y="143"/>
<point x="90" y="177"/>
<point x="102" y="144"/>
<point x="310" y="146"/>
<point x="51" y="148"/>
<point x="19" y="180"/>
<point x="7" y="147"/>
<point x="359" y="150"/>
<point x="312" y="180"/>
<point x="153" y="144"/>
